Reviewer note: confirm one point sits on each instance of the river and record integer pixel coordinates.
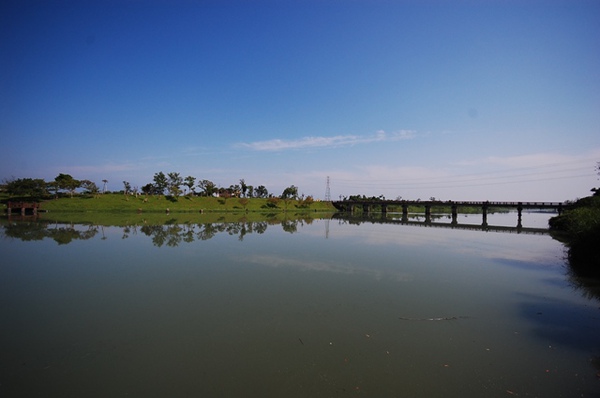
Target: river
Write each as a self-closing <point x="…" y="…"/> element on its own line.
<point x="309" y="307"/>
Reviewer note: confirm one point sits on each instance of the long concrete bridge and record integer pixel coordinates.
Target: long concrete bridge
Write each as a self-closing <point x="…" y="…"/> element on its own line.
<point x="368" y="206"/>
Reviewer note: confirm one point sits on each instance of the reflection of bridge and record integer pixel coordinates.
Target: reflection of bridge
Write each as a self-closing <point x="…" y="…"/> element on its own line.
<point x="452" y="225"/>
<point x="367" y="206"/>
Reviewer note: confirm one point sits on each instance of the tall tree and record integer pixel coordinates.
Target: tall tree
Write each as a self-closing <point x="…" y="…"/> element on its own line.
<point x="243" y="187"/>
<point x="148" y="189"/>
<point x="174" y="184"/>
<point x="126" y="189"/>
<point x="290" y="192"/>
<point x="261" y="192"/>
<point x="26" y="187"/>
<point x="207" y="187"/>
<point x="189" y="182"/>
<point x="90" y="187"/>
<point x="67" y="182"/>
<point x="160" y="182"/>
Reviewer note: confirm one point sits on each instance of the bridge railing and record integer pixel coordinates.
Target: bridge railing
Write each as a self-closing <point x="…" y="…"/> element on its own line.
<point x="450" y="203"/>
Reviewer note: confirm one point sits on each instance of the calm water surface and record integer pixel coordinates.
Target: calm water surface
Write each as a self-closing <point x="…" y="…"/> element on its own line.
<point x="312" y="308"/>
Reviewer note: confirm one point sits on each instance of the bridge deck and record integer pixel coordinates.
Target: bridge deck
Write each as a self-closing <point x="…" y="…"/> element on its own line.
<point x="368" y="205"/>
<point x="536" y="205"/>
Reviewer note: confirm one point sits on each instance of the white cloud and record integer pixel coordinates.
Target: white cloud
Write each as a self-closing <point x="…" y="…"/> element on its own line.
<point x="322" y="142"/>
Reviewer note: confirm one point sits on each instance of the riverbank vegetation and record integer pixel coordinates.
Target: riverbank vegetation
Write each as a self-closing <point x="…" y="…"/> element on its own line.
<point x="579" y="229"/>
<point x="166" y="193"/>
<point x="171" y="185"/>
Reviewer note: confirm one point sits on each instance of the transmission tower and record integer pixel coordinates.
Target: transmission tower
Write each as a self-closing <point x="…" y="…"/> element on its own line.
<point x="327" y="192"/>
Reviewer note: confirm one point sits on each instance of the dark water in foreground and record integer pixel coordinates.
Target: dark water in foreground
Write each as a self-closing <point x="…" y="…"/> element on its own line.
<point x="320" y="308"/>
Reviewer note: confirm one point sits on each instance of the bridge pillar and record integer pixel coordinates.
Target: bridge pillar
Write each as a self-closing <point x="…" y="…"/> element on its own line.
<point x="366" y="209"/>
<point x="384" y="208"/>
<point x="454" y="214"/>
<point x="404" y="212"/>
<point x="484" y="209"/>
<point x="427" y="213"/>
<point x="519" y="214"/>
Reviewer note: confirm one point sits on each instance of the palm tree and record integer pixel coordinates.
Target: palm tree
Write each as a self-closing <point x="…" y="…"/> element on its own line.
<point x="243" y="187"/>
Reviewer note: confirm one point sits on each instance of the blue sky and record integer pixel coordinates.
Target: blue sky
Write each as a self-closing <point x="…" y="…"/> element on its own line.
<point x="458" y="100"/>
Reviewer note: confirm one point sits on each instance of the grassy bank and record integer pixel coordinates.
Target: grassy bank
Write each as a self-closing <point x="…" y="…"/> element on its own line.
<point x="161" y="204"/>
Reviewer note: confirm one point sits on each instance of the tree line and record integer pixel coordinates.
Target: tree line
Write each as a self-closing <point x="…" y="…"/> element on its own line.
<point x="169" y="184"/>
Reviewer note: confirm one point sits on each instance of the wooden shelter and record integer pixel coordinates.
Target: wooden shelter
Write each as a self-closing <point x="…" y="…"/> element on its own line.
<point x="23" y="207"/>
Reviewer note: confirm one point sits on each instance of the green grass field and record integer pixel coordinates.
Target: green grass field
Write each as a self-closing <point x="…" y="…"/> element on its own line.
<point x="161" y="204"/>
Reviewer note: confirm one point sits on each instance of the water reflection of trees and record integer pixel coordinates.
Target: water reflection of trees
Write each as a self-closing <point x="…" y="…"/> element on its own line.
<point x="588" y="285"/>
<point x="61" y="233"/>
<point x="170" y="233"/>
<point x="174" y="234"/>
